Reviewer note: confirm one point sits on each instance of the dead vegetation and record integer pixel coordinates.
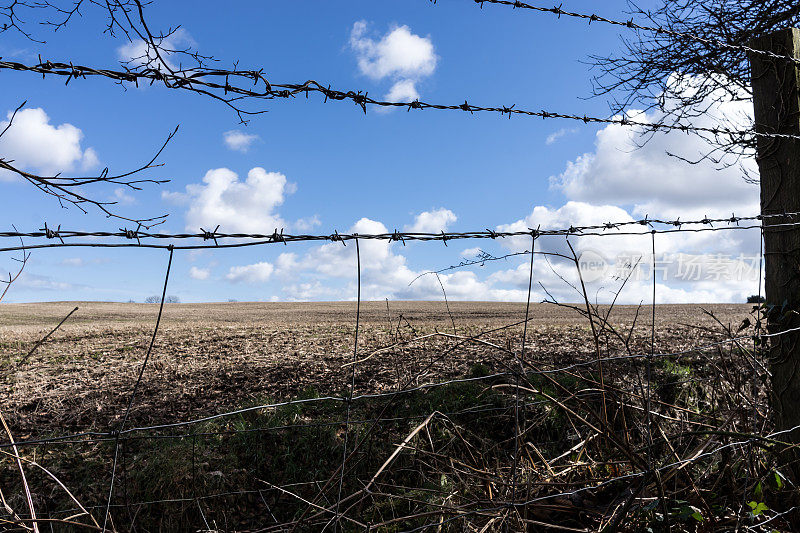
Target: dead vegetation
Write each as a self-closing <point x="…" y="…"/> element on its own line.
<point x="447" y="430"/>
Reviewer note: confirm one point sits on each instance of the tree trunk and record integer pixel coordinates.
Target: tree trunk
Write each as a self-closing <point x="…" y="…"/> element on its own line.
<point x="777" y="110"/>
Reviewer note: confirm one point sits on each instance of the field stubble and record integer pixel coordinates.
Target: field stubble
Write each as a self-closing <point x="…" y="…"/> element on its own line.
<point x="214" y="358"/>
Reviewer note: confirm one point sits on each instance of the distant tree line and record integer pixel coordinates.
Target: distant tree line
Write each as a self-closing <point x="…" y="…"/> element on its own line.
<point x="157" y="300"/>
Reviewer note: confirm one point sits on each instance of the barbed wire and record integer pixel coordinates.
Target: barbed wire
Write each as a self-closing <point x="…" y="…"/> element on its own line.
<point x="201" y="80"/>
<point x="276" y="237"/>
<point x="229" y="87"/>
<point x="630" y="24"/>
<point x="342" y="238"/>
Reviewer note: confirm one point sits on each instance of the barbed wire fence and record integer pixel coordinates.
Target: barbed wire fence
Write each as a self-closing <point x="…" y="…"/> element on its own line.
<point x="521" y="378"/>
<point x="488" y="428"/>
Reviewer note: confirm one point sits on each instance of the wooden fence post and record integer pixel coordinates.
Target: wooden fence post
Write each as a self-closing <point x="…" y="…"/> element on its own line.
<point x="777" y="110"/>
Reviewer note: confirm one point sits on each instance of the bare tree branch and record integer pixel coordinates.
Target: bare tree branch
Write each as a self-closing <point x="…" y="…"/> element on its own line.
<point x="68" y="189"/>
<point x="683" y="77"/>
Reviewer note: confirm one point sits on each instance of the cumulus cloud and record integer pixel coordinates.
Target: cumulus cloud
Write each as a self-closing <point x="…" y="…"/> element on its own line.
<point x="199" y="273"/>
<point x="649" y="180"/>
<point x="621" y="180"/>
<point x="570" y="214"/>
<point x="239" y="141"/>
<point x="615" y="182"/>
<point x="35" y="144"/>
<point x="399" y="55"/>
<point x="679" y="278"/>
<point x="434" y="221"/>
<point x="90" y="159"/>
<point x="688" y="267"/>
<point x="384" y="274"/>
<point x="286" y="263"/>
<point x="685" y="268"/>
<point x="237" y="206"/>
<point x="255" y="273"/>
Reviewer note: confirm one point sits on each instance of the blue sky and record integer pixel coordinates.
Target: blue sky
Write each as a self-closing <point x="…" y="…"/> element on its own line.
<point x="318" y="167"/>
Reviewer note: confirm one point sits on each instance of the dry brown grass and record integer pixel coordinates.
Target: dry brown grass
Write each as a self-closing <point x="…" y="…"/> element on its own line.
<point x="581" y="452"/>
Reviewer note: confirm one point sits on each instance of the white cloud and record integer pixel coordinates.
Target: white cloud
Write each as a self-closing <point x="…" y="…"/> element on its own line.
<point x="44" y="283"/>
<point x="556" y="135"/>
<point x="686" y="269"/>
<point x="651" y="181"/>
<point x="403" y="91"/>
<point x="239" y="141"/>
<point x="238" y="207"/>
<point x="73" y="262"/>
<point x="434" y="221"/>
<point x="122" y="197"/>
<point x="37" y="145"/>
<point x="136" y="51"/>
<point x="570" y="214"/>
<point x="90" y="159"/>
<point x="199" y="273"/>
<point x="680" y="278"/>
<point x="256" y="273"/>
<point x="690" y="267"/>
<point x="313" y="291"/>
<point x="306" y="224"/>
<point x="399" y="55"/>
<point x="384" y="274"/>
<point x="471" y="253"/>
<point x="286" y="263"/>
<point x="620" y="181"/>
<point x="613" y="183"/>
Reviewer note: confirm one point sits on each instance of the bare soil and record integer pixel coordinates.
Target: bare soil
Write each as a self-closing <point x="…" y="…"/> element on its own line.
<point x="209" y="358"/>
